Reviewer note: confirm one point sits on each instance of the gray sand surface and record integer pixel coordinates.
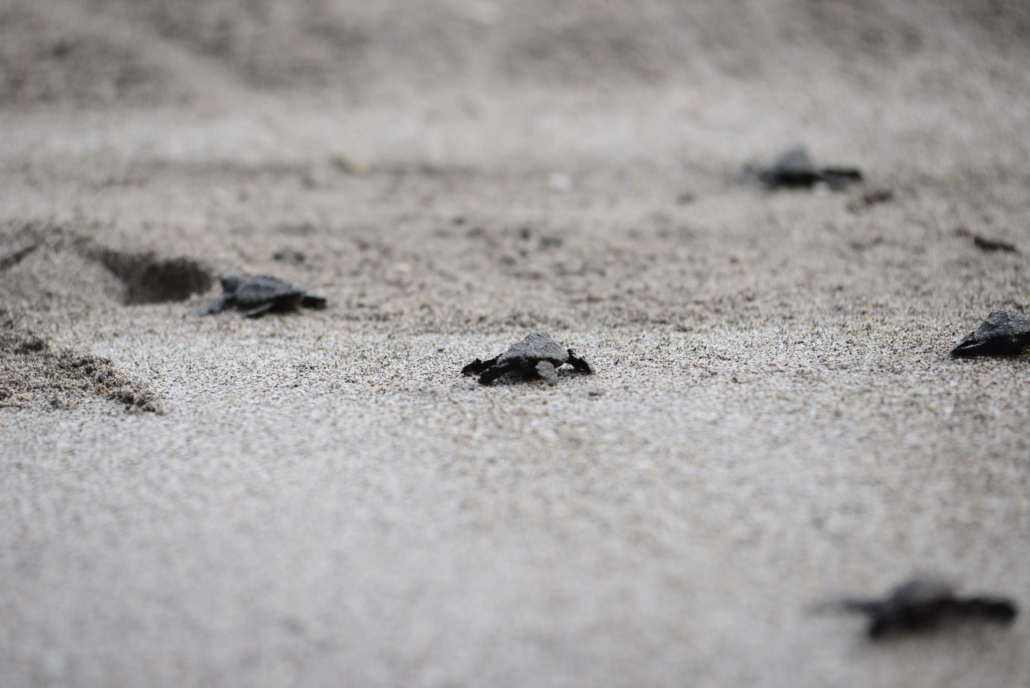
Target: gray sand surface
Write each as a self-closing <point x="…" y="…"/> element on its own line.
<point x="321" y="499"/>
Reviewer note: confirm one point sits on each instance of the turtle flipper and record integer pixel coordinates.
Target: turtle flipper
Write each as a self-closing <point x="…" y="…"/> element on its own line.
<point x="312" y="301"/>
<point x="545" y="369"/>
<point x="493" y="372"/>
<point x="211" y="306"/>
<point x="840" y="178"/>
<point x="578" y="363"/>
<point x="990" y="609"/>
<point x="477" y="366"/>
<point x="259" y="311"/>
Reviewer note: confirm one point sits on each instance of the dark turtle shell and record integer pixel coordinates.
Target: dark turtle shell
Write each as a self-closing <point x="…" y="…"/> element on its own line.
<point x="792" y="169"/>
<point x="536" y="347"/>
<point x="1003" y="333"/>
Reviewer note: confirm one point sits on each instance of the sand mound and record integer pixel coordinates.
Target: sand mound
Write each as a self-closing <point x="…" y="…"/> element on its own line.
<point x="48" y="265"/>
<point x="35" y="374"/>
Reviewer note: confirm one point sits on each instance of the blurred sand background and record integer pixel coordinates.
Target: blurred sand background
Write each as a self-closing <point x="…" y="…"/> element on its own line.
<point x="321" y="500"/>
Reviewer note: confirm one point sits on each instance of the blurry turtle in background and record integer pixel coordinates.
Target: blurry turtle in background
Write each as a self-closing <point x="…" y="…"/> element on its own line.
<point x="922" y="605"/>
<point x="1003" y="333"/>
<point x="257" y="295"/>
<point x="795" y="170"/>
<point x="535" y="356"/>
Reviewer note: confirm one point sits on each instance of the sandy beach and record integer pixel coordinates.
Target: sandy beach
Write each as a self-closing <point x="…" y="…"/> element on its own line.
<point x="320" y="498"/>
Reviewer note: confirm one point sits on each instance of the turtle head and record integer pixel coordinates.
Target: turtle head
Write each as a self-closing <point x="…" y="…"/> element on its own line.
<point x="231" y="282"/>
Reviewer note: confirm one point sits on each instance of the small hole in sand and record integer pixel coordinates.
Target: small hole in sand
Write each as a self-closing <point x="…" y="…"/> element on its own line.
<point x="148" y="279"/>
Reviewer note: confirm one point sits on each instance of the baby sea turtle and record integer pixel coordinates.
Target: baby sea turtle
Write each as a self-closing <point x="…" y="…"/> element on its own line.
<point x="922" y="605"/>
<point x="537" y="355"/>
<point x="795" y="169"/>
<point x="986" y="243"/>
<point x="1003" y="333"/>
<point x="258" y="295"/>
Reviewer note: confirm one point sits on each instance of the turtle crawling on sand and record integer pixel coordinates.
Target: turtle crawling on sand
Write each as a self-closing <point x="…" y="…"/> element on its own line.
<point x="1003" y="333"/>
<point x="535" y="356"/>
<point x="258" y="295"/>
<point x="922" y="605"/>
<point x="794" y="169"/>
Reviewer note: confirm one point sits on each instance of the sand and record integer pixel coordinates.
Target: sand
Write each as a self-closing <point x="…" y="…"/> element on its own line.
<point x="321" y="498"/>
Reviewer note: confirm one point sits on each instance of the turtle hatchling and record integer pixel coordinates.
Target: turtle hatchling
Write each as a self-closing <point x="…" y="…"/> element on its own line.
<point x="795" y="169"/>
<point x="535" y="356"/>
<point x="257" y="295"/>
<point x="1003" y="333"/>
<point x="923" y="605"/>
